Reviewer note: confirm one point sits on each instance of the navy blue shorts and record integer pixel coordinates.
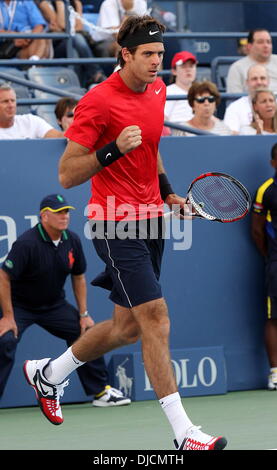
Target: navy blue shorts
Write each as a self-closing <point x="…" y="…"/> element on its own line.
<point x="132" y="269"/>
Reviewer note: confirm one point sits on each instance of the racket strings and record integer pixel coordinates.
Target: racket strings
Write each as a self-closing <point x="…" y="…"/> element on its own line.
<point x="220" y="197"/>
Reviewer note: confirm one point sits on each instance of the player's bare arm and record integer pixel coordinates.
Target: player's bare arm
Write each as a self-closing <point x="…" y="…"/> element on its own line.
<point x="77" y="165"/>
<point x="258" y="232"/>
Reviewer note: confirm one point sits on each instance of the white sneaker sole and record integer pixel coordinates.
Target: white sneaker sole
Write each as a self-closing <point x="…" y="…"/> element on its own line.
<point x="105" y="404"/>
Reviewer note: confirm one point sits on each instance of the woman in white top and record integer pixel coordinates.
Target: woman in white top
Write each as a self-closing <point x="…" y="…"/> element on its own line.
<point x="204" y="98"/>
<point x="264" y="114"/>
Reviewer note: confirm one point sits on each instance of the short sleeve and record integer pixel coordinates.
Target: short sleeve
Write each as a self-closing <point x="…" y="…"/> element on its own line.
<point x="260" y="203"/>
<point x="35" y="17"/>
<point x="90" y="121"/>
<point x="17" y="259"/>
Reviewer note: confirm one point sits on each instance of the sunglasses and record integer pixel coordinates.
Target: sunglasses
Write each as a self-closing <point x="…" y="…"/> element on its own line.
<point x="210" y="99"/>
<point x="70" y="114"/>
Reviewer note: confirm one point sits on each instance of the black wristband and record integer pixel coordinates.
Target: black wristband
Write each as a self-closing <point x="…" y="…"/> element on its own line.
<point x="165" y="186"/>
<point x="108" y="154"/>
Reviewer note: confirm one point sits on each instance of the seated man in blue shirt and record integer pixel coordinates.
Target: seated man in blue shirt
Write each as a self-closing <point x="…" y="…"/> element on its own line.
<point x="32" y="282"/>
<point x="19" y="16"/>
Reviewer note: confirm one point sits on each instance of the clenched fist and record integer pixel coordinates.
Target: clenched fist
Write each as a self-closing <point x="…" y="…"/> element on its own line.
<point x="129" y="139"/>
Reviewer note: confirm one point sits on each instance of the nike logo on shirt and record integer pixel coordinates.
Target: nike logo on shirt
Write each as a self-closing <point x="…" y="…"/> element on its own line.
<point x="158" y="91"/>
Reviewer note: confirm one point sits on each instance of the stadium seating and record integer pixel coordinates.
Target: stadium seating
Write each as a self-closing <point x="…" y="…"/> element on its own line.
<point x="63" y="78"/>
<point x="47" y="113"/>
<point x="56" y="77"/>
<point x="203" y="73"/>
<point x="219" y="70"/>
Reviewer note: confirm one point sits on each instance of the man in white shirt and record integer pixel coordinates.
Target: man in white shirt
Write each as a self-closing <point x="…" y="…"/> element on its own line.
<point x="111" y="15"/>
<point x="239" y="113"/>
<point x="21" y="126"/>
<point x="183" y="66"/>
<point x="259" y="53"/>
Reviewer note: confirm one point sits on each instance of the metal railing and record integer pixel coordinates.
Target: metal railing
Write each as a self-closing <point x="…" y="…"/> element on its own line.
<point x="107" y="60"/>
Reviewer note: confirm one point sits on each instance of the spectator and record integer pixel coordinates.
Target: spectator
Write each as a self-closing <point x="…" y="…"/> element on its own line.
<point x="21" y="126"/>
<point x="239" y="113"/>
<point x="25" y="17"/>
<point x="242" y="46"/>
<point x="264" y="114"/>
<point x="204" y="98"/>
<point x="111" y="15"/>
<point x="264" y="233"/>
<point x="64" y="112"/>
<point x="54" y="13"/>
<point x="259" y="52"/>
<point x="183" y="68"/>
<point x="31" y="294"/>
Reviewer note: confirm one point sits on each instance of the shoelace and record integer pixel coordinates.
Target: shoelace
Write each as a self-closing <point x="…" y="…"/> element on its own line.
<point x="192" y="442"/>
<point x="59" y="391"/>
<point x="116" y="392"/>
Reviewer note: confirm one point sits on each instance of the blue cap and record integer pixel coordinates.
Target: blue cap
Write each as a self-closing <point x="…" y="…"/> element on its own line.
<point x="54" y="203"/>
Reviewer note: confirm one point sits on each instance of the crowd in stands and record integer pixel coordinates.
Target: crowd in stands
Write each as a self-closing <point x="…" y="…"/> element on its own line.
<point x="204" y="98"/>
<point x="199" y="101"/>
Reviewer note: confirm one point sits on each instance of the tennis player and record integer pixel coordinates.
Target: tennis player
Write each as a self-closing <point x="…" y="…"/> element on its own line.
<point x="114" y="141"/>
<point x="264" y="229"/>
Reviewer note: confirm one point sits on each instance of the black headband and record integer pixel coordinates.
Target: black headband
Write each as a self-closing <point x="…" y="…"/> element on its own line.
<point x="144" y="35"/>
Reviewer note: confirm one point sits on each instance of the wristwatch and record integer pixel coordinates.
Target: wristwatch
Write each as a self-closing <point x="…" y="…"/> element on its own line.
<point x="84" y="315"/>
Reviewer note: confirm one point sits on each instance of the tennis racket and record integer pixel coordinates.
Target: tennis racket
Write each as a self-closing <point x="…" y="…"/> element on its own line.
<point x="218" y="197"/>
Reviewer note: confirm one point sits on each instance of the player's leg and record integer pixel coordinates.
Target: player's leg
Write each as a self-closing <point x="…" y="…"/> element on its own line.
<point x="64" y="322"/>
<point x="154" y="324"/>
<point x="271" y="340"/>
<point x="48" y="377"/>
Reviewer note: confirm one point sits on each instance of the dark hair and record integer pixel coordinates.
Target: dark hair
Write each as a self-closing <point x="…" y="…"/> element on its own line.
<point x="62" y="106"/>
<point x="274" y="152"/>
<point x="251" y="34"/>
<point x="130" y="26"/>
<point x="197" y="88"/>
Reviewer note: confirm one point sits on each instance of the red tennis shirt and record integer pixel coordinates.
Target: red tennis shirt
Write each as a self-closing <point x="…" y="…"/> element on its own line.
<point x="129" y="187"/>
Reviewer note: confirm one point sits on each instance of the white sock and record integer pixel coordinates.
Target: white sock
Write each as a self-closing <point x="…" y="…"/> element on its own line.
<point x="61" y="367"/>
<point x="176" y="415"/>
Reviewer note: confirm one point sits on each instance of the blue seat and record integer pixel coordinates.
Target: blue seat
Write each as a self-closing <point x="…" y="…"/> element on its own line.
<point x="219" y="70"/>
<point x="12" y="72"/>
<point x="22" y="93"/>
<point x="203" y="73"/>
<point x="47" y="112"/>
<point x="62" y="78"/>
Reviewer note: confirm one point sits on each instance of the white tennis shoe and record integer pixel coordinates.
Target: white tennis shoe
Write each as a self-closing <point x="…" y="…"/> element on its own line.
<point x="272" y="381"/>
<point x="48" y="395"/>
<point x="198" y="440"/>
<point x="110" y="397"/>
